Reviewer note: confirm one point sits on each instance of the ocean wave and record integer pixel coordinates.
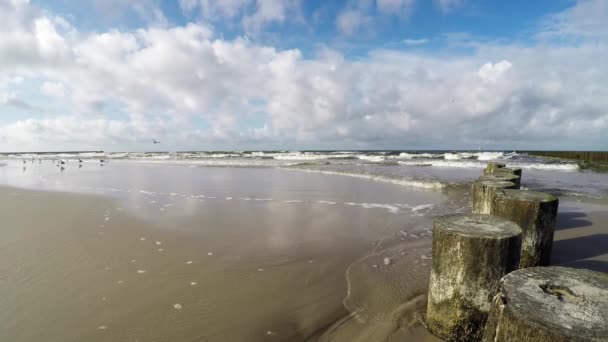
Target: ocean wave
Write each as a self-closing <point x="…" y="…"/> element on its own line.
<point x="372" y="158"/>
<point x="378" y="178"/>
<point x="480" y="164"/>
<point x="309" y="156"/>
<point x="407" y="155"/>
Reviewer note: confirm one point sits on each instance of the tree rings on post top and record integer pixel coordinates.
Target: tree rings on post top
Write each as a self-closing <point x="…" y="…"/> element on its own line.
<point x="550" y="304"/>
<point x="500" y="176"/>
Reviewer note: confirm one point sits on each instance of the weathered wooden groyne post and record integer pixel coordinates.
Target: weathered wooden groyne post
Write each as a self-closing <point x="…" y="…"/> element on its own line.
<point x="509" y="229"/>
<point x="492" y="167"/>
<point x="500" y="176"/>
<point x="550" y="304"/>
<point x="495" y="176"/>
<point x="535" y="213"/>
<point x="471" y="252"/>
<point x="483" y="192"/>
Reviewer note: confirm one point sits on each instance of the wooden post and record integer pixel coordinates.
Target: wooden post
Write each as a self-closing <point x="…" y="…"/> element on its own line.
<point x="503" y="176"/>
<point x="550" y="304"/>
<point x="511" y="170"/>
<point x="482" y="194"/>
<point x="471" y="253"/>
<point x="491" y="167"/>
<point x="535" y="213"/>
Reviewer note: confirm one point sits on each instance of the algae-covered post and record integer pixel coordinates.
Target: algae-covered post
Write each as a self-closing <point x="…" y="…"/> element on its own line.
<point x="492" y="167"/>
<point x="503" y="176"/>
<point x="535" y="213"/>
<point x="507" y="171"/>
<point x="471" y="253"/>
<point x="483" y="192"/>
<point x="550" y="304"/>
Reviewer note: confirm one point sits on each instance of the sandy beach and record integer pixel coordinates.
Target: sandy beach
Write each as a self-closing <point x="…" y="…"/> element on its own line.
<point x="327" y="258"/>
<point x="176" y="267"/>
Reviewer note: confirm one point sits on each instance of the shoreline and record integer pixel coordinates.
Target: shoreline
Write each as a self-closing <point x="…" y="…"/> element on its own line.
<point x="101" y="251"/>
<point x="580" y="240"/>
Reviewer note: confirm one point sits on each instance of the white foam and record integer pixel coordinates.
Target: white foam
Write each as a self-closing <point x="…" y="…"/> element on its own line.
<point x="189" y="262"/>
<point x="373" y="158"/>
<point x="177" y="306"/>
<point x="141" y="271"/>
<point x="376" y="178"/>
<point x="405" y="155"/>
<point x="422" y="207"/>
<point x="326" y="202"/>
<point x="489" y="155"/>
<point x="391" y="208"/>
<point x="293" y="201"/>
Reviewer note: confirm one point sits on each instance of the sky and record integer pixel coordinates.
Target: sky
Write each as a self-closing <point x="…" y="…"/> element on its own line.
<point x="303" y="74"/>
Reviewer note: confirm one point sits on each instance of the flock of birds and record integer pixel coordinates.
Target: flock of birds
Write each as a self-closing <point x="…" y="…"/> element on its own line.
<point x="60" y="163"/>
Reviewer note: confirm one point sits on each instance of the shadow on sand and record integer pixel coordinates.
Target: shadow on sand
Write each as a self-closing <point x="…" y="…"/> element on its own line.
<point x="572" y="219"/>
<point x="574" y="252"/>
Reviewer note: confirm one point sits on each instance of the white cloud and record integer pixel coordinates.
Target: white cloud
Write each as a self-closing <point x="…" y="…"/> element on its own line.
<point x="269" y="11"/>
<point x="586" y="19"/>
<point x="419" y="41"/>
<point x="216" y="10"/>
<point x="446" y="6"/>
<point x="350" y="21"/>
<point x="53" y="89"/>
<point x="397" y="7"/>
<point x="492" y="73"/>
<point x="122" y="87"/>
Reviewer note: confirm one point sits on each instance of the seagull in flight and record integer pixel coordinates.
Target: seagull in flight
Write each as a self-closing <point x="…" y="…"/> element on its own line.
<point x="155" y="141"/>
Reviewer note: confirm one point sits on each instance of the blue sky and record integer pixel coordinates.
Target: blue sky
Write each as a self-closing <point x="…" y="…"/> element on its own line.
<point x="276" y="74"/>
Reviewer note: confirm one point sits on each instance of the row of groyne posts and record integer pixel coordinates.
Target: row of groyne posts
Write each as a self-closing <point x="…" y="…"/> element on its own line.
<point x="491" y="279"/>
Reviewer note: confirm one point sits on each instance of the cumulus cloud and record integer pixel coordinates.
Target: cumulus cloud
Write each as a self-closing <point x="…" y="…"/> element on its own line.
<point x="350" y="21"/>
<point x="586" y="19"/>
<point x="193" y="89"/>
<point x="268" y="12"/>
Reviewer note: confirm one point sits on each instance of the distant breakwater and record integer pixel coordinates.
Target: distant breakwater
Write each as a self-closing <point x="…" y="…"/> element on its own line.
<point x="595" y="157"/>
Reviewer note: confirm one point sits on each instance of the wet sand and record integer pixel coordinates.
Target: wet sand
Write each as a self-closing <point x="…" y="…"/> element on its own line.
<point x="77" y="267"/>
